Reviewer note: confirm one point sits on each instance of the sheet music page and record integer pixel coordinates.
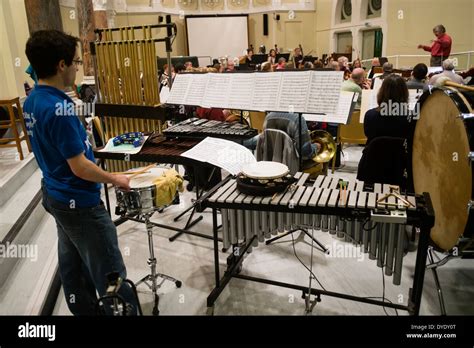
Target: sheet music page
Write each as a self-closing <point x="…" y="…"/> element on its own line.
<point x="346" y="101"/>
<point x="217" y="91"/>
<point x="293" y="91"/>
<point x="196" y="89"/>
<point x="369" y="101"/>
<point x="266" y="91"/>
<point x="179" y="89"/>
<point x="241" y="91"/>
<point x="222" y="153"/>
<point x="377" y="84"/>
<point x="324" y="91"/>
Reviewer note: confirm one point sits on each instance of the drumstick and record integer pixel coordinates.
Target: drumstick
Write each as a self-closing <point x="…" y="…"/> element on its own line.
<point x="143" y="170"/>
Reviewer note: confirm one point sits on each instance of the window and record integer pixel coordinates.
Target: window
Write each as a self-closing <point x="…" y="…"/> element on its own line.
<point x="346" y="11"/>
<point x="374" y="8"/>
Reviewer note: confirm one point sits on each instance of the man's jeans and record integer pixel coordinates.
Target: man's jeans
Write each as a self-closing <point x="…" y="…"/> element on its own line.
<point x="87" y="251"/>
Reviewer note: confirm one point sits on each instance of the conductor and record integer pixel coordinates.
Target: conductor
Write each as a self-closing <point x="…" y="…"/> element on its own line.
<point x="440" y="48"/>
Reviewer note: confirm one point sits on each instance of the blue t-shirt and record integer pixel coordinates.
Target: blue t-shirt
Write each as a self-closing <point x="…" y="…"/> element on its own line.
<point x="56" y="135"/>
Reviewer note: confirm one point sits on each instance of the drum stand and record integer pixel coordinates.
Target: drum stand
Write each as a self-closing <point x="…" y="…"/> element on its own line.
<point x="151" y="279"/>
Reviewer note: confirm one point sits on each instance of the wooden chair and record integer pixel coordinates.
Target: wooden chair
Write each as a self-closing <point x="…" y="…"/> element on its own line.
<point x="12" y="124"/>
<point x="351" y="133"/>
<point x="256" y="120"/>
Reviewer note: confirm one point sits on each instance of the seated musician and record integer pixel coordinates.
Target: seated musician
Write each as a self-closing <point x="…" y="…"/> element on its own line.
<point x="248" y="57"/>
<point x="272" y="58"/>
<point x="418" y="77"/>
<point x="375" y="63"/>
<point x="390" y="119"/>
<point x="297" y="57"/>
<point x="448" y="71"/>
<point x="281" y="64"/>
<point x="387" y="70"/>
<point x="355" y="84"/>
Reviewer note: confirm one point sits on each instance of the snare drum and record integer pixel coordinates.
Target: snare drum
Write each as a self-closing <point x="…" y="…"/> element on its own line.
<point x="443" y="148"/>
<point x="141" y="198"/>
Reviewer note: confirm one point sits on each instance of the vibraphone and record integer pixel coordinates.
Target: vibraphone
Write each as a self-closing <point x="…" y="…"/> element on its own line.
<point x="202" y="128"/>
<point x="355" y="214"/>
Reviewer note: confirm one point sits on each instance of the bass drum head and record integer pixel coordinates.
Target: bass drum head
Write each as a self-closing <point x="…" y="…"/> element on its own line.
<point x="441" y="165"/>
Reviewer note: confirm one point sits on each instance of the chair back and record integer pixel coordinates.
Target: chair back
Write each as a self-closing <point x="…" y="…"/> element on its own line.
<point x="276" y="145"/>
<point x="386" y="160"/>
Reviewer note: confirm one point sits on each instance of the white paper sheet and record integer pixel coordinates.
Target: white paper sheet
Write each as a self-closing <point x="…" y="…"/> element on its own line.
<point x="266" y="91"/>
<point x="196" y="89"/>
<point x="324" y="90"/>
<point x="179" y="89"/>
<point x="346" y="100"/>
<point x="217" y="91"/>
<point x="369" y="101"/>
<point x="293" y="91"/>
<point x="241" y="91"/>
<point x="222" y="153"/>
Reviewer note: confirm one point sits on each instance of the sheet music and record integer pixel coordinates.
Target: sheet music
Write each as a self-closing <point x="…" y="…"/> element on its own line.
<point x="217" y="91"/>
<point x="293" y="91"/>
<point x="266" y="91"/>
<point x="346" y="102"/>
<point x="324" y="90"/>
<point x="222" y="153"/>
<point x="377" y="84"/>
<point x="369" y="101"/>
<point x="241" y="91"/>
<point x="196" y="89"/>
<point x="179" y="89"/>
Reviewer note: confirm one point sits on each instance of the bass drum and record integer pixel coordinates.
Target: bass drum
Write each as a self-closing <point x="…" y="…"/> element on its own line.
<point x="442" y="166"/>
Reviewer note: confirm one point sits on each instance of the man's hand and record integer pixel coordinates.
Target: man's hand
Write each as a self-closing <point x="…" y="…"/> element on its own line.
<point x="122" y="181"/>
<point x="420" y="46"/>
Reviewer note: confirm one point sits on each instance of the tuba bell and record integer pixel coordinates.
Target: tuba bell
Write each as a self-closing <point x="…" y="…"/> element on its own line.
<point x="327" y="144"/>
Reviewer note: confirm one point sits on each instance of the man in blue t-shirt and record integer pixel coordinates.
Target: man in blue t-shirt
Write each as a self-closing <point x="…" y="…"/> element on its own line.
<point x="87" y="238"/>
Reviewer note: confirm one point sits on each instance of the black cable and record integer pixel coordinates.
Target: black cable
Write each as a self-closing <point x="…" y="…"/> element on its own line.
<point x="365" y="223"/>
<point x="311" y="272"/>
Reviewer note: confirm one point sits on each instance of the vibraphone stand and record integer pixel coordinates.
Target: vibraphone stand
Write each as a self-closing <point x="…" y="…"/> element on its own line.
<point x="151" y="279"/>
<point x="190" y="221"/>
<point x="323" y="248"/>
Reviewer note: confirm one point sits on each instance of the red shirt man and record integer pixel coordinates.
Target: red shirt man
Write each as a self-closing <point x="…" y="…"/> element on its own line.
<point x="441" y="47"/>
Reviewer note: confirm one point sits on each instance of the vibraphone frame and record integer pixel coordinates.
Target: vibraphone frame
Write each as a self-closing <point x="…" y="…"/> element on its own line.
<point x="422" y="217"/>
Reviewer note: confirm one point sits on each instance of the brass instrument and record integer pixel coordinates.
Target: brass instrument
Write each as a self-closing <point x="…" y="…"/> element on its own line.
<point x="327" y="144"/>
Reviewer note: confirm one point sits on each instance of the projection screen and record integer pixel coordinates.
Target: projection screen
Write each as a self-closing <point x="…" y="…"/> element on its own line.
<point x="216" y="36"/>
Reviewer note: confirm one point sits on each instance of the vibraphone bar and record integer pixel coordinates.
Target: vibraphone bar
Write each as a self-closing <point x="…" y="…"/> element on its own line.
<point x="366" y="217"/>
<point x="202" y="128"/>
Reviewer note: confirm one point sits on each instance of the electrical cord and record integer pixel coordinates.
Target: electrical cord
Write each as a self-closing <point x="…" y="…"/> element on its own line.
<point x="311" y="272"/>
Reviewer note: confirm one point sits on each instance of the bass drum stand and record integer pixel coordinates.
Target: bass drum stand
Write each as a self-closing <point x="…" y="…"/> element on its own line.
<point x="150" y="279"/>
